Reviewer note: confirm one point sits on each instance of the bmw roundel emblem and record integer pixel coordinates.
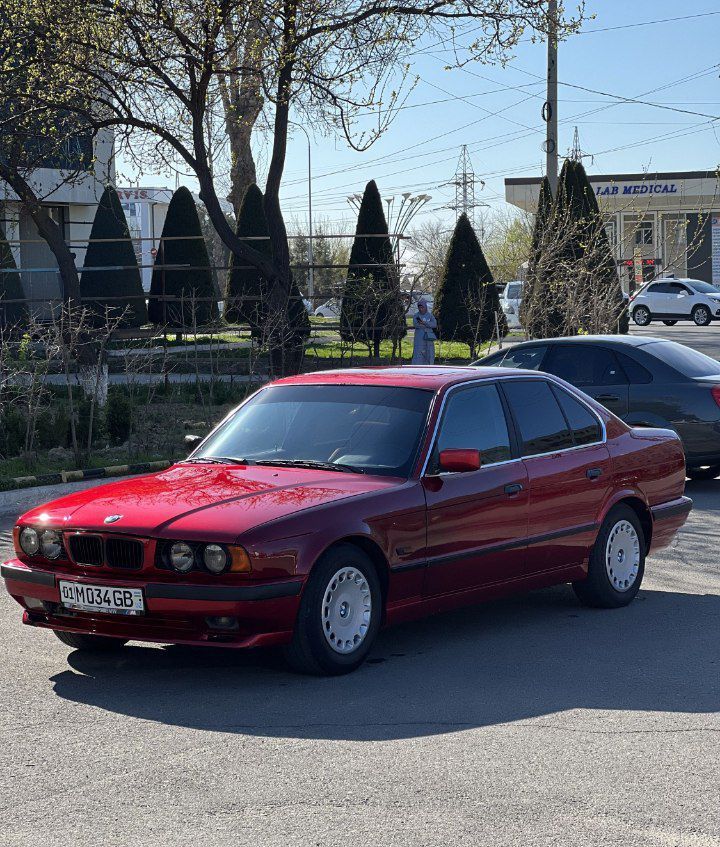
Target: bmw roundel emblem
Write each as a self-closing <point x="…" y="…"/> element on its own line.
<point x="112" y="518"/>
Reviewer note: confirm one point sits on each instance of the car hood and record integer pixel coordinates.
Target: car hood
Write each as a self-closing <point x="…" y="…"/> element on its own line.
<point x="202" y="501"/>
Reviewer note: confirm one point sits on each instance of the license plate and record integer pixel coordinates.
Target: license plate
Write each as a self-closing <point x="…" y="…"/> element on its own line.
<point x="101" y="598"/>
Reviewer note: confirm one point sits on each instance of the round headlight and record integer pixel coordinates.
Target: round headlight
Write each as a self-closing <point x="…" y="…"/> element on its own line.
<point x="29" y="541"/>
<point x="215" y="558"/>
<point x="182" y="557"/>
<point x="50" y="543"/>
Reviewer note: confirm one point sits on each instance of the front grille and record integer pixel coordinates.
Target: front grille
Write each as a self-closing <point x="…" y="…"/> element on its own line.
<point x="86" y="549"/>
<point x="124" y="553"/>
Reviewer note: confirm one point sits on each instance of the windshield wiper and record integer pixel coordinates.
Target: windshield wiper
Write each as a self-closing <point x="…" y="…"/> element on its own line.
<point x="310" y="463"/>
<point x="217" y="460"/>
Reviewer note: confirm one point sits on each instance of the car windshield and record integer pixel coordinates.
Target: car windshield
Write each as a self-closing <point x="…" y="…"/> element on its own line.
<point x="704" y="287"/>
<point x="369" y="428"/>
<point x="688" y="362"/>
<point x="516" y="357"/>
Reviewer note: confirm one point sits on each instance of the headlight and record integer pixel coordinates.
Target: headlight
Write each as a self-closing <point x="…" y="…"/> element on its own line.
<point x="29" y="541"/>
<point x="50" y="543"/>
<point x="215" y="558"/>
<point x="182" y="557"/>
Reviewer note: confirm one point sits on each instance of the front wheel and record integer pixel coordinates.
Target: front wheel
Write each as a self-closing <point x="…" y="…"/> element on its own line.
<point x="669" y="323"/>
<point x="641" y="315"/>
<point x="617" y="562"/>
<point x="89" y="643"/>
<point x="703" y="473"/>
<point x="701" y="315"/>
<point x="339" y="615"/>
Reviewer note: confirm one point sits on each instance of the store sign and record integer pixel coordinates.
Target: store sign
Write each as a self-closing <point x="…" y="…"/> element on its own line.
<point x="639" y="188"/>
<point x="715" y="248"/>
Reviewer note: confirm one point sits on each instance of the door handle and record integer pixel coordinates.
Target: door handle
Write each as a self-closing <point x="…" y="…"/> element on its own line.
<point x="608" y="398"/>
<point x="593" y="473"/>
<point x="513" y="488"/>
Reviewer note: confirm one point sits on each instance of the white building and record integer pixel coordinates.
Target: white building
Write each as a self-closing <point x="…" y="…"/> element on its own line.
<point x="658" y="223"/>
<point x="71" y="198"/>
<point x="145" y="210"/>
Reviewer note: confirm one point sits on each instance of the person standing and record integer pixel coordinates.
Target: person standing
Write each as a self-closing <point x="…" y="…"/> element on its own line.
<point x="425" y="325"/>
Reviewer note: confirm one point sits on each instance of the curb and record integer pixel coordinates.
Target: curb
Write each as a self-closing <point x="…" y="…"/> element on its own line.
<point x="15" y="483"/>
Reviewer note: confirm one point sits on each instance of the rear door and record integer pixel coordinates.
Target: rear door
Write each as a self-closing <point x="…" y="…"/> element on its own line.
<point x="476" y="521"/>
<point x="569" y="471"/>
<point x="594" y="369"/>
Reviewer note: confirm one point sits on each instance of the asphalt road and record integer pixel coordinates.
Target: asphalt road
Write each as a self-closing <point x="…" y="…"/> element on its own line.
<point x="529" y="721"/>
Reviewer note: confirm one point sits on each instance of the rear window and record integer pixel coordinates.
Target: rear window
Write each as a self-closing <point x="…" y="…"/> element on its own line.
<point x="688" y="362"/>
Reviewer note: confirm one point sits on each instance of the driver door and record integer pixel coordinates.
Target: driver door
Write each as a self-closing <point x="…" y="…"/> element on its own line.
<point x="476" y="520"/>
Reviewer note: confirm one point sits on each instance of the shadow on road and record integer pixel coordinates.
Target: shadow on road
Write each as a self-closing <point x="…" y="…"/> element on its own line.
<point x="504" y="661"/>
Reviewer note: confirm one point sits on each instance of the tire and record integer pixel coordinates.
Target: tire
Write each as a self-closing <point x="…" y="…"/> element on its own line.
<point x="703" y="473"/>
<point x="701" y="315"/>
<point x="613" y="582"/>
<point x="669" y="323"/>
<point x="318" y="646"/>
<point x="89" y="643"/>
<point x="641" y="315"/>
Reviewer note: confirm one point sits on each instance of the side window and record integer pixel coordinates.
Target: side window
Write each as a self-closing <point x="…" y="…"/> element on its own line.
<point x="636" y="373"/>
<point x="659" y="288"/>
<point x="529" y="358"/>
<point x="585" y="426"/>
<point x="541" y="424"/>
<point x="474" y="418"/>
<point x="584" y="364"/>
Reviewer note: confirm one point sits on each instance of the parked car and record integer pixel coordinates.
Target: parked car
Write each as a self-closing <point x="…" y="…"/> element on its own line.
<point x="331" y="503"/>
<point x="671" y="300"/>
<point x="510" y="301"/>
<point x="645" y="381"/>
<point x="330" y="309"/>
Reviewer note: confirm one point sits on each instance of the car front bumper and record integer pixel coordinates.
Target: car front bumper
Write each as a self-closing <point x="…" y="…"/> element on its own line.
<point x="174" y="613"/>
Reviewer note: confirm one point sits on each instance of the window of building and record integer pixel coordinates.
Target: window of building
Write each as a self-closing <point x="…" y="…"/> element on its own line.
<point x="644" y="233"/>
<point x="541" y="424"/>
<point x="475" y="419"/>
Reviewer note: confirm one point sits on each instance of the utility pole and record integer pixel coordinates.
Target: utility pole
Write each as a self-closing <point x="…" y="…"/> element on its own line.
<point x="550" y="105"/>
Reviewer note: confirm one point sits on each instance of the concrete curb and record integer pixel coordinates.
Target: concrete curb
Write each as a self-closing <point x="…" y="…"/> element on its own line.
<point x="15" y="483"/>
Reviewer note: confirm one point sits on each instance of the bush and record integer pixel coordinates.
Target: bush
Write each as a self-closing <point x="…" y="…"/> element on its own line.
<point x="12" y="432"/>
<point x="46" y="434"/>
<point x="118" y="418"/>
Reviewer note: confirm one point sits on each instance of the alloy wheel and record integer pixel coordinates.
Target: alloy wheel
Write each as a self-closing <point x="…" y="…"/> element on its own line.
<point x="701" y="316"/>
<point x="346" y="610"/>
<point x="622" y="556"/>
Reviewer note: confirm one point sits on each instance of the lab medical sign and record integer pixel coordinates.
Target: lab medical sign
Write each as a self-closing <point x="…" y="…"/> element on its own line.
<point x="637" y="188"/>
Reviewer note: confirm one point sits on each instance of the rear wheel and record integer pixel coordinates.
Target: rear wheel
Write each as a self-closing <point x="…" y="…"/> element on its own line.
<point x="704" y="472"/>
<point x="641" y="315"/>
<point x="701" y="315"/>
<point x="339" y="615"/>
<point x="617" y="562"/>
<point x="669" y="323"/>
<point x="89" y="643"/>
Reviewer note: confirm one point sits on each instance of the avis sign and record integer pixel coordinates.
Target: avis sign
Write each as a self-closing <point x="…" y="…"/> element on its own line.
<point x="638" y="188"/>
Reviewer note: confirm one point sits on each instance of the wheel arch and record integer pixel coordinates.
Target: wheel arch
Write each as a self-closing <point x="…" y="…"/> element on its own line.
<point x="642" y="510"/>
<point x="376" y="555"/>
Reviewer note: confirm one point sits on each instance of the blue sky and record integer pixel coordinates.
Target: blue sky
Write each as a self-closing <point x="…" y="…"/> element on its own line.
<point x="659" y="51"/>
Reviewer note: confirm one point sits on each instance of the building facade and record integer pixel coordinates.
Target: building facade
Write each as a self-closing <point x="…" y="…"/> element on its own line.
<point x="657" y="223"/>
<point x="145" y="210"/>
<point x="71" y="194"/>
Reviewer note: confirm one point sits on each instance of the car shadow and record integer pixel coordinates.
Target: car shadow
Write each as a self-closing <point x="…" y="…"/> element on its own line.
<point x="496" y="663"/>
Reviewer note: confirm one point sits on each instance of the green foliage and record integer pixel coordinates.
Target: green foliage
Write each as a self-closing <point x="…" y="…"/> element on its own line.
<point x="182" y="244"/>
<point x="371" y="304"/>
<point x="536" y="315"/>
<point x="11" y="314"/>
<point x="12" y="432"/>
<point x="118" y="418"/>
<point x="467" y="299"/>
<point x="246" y="287"/>
<point x="111" y="268"/>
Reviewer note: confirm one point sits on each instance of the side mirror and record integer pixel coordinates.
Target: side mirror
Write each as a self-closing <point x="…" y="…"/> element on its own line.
<point x="193" y="440"/>
<point x="459" y="460"/>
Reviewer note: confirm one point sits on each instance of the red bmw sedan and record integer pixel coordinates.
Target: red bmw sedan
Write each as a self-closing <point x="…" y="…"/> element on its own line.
<point x="330" y="504"/>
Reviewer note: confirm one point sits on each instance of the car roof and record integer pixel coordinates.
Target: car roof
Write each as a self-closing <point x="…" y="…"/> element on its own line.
<point x="430" y="377"/>
<point x="627" y="340"/>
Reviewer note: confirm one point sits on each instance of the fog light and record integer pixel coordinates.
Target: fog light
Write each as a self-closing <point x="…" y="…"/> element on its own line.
<point x="29" y="541"/>
<point x="223" y="622"/>
<point x="182" y="557"/>
<point x="215" y="558"/>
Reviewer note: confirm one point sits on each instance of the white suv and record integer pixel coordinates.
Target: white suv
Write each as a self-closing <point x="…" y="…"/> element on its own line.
<point x="510" y="302"/>
<point x="671" y="300"/>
